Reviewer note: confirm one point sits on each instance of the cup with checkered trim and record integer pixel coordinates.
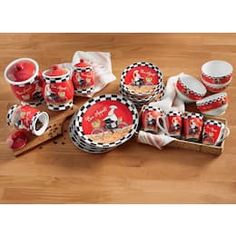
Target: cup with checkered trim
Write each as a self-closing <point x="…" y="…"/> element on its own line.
<point x="192" y="126"/>
<point x="58" y="88"/>
<point x="25" y="80"/>
<point x="216" y="75"/>
<point x="214" y="132"/>
<point x="171" y="123"/>
<point x="150" y="116"/>
<point x="25" y="117"/>
<point x="83" y="78"/>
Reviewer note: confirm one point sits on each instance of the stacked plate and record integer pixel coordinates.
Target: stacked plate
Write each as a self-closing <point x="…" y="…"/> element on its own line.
<point x="103" y="123"/>
<point x="216" y="75"/>
<point x="142" y="82"/>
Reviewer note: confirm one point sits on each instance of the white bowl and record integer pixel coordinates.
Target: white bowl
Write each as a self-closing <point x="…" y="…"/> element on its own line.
<point x="215" y="104"/>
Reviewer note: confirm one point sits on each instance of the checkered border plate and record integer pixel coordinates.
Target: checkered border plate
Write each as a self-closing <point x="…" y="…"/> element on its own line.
<point x="192" y="115"/>
<point x="136" y="64"/>
<point x="213" y="122"/>
<point x="10" y="113"/>
<point x="60" y="79"/>
<point x="84" y="146"/>
<point x="60" y="107"/>
<point x="105" y="97"/>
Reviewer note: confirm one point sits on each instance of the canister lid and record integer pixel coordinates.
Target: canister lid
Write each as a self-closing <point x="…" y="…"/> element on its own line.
<point x="56" y="70"/>
<point x="20" y="71"/>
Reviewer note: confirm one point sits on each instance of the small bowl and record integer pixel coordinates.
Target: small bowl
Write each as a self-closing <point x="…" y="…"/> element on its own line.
<point x="189" y="88"/>
<point x="216" y="73"/>
<point x="213" y="105"/>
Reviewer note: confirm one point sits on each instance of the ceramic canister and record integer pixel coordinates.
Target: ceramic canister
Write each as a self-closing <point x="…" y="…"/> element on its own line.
<point x="171" y="123"/>
<point x="25" y="80"/>
<point x="83" y="78"/>
<point x="192" y="126"/>
<point x="58" y="88"/>
<point x="214" y="132"/>
<point x="25" y="117"/>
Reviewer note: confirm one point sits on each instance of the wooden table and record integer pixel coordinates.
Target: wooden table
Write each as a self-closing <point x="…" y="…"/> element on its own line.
<point x="57" y="172"/>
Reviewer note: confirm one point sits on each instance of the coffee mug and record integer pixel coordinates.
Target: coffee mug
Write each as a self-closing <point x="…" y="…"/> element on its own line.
<point x="171" y="123"/>
<point x="192" y="126"/>
<point x="214" y="132"/>
<point x="149" y="117"/>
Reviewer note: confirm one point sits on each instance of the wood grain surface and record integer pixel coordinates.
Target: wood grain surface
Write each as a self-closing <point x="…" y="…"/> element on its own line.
<point x="56" y="172"/>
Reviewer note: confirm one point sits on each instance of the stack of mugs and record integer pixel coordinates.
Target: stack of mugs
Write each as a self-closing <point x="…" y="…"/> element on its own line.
<point x="142" y="82"/>
<point x="103" y="123"/>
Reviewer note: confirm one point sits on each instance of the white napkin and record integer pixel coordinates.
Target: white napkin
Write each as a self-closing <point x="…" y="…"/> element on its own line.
<point x="101" y="64"/>
<point x="156" y="140"/>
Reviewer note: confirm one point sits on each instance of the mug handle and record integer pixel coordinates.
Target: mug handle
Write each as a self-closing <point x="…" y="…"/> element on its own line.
<point x="164" y="127"/>
<point x="225" y="135"/>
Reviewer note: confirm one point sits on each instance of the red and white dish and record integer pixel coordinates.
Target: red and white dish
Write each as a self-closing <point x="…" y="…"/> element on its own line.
<point x="190" y="89"/>
<point x="216" y="75"/>
<point x="214" y="105"/>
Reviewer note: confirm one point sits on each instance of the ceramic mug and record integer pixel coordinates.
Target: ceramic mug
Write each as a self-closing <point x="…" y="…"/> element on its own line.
<point x="192" y="126"/>
<point x="214" y="132"/>
<point x="171" y="123"/>
<point x="150" y="116"/>
<point x="24" y="117"/>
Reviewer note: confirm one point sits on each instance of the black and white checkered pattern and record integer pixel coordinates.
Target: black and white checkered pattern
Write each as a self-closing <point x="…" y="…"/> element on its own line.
<point x="214" y="122"/>
<point x="188" y="115"/>
<point x="33" y="120"/>
<point x="82" y="92"/>
<point x="85" y="69"/>
<point x="10" y="114"/>
<point x="59" y="107"/>
<point x="34" y="103"/>
<point x="151" y="108"/>
<point x="174" y="113"/>
<point x="181" y="81"/>
<point x="209" y="100"/>
<point x="134" y="65"/>
<point x="60" y="79"/>
<point x="78" y="118"/>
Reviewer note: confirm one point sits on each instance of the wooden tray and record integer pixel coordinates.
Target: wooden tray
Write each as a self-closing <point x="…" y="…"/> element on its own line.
<point x="54" y="129"/>
<point x="215" y="150"/>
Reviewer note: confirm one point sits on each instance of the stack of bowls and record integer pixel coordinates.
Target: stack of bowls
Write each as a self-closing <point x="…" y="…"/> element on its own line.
<point x="216" y="75"/>
<point x="190" y="89"/>
<point x="142" y="82"/>
<point x="103" y="123"/>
